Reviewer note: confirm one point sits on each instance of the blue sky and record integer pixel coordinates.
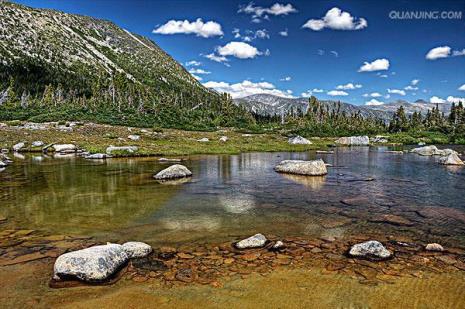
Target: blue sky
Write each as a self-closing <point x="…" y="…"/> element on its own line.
<point x="339" y="37"/>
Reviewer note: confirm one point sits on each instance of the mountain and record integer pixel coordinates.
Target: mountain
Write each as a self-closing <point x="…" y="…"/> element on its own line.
<point x="78" y="53"/>
<point x="410" y="107"/>
<point x="267" y="104"/>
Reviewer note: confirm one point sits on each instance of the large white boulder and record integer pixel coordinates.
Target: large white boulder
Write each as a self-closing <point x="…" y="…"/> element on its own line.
<point x="136" y="249"/>
<point x="451" y="159"/>
<point x="255" y="241"/>
<point x="300" y="167"/>
<point x="173" y="172"/>
<point x="432" y="151"/>
<point x="65" y="147"/>
<point x="298" y="140"/>
<point x="92" y="264"/>
<point x="372" y="249"/>
<point x="354" y="141"/>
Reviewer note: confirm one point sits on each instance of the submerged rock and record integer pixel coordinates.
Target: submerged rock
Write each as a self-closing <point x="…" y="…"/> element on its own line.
<point x="451" y="159"/>
<point x="371" y="250"/>
<point x="173" y="172"/>
<point x="129" y="149"/>
<point x="136" y="249"/>
<point x="354" y="141"/>
<point x="93" y="264"/>
<point x="19" y="146"/>
<point x="97" y="156"/>
<point x="298" y="140"/>
<point x="255" y="241"/>
<point x="300" y="167"/>
<point x="65" y="147"/>
<point x="434" y="247"/>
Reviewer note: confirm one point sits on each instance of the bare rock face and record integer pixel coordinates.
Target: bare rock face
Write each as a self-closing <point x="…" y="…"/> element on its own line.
<point x="299" y="140"/>
<point x="451" y="159"/>
<point x="173" y="172"/>
<point x="255" y="241"/>
<point x="370" y="250"/>
<point x="94" y="264"/>
<point x="300" y="167"/>
<point x="65" y="147"/>
<point x="136" y="249"/>
<point x="434" y="247"/>
<point x="354" y="141"/>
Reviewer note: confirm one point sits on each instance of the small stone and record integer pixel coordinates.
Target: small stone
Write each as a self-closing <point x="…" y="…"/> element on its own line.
<point x="250" y="256"/>
<point x="37" y="144"/>
<point x="255" y="241"/>
<point x="19" y="146"/>
<point x="135" y="249"/>
<point x="185" y="275"/>
<point x="279" y="245"/>
<point x="223" y="139"/>
<point x="134" y="137"/>
<point x="370" y="249"/>
<point x="434" y="247"/>
<point x="183" y="255"/>
<point x="203" y="140"/>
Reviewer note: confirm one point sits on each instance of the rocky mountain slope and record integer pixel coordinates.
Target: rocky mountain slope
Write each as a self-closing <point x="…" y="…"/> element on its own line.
<point x="266" y="104"/>
<point x="411" y="107"/>
<point x="40" y="47"/>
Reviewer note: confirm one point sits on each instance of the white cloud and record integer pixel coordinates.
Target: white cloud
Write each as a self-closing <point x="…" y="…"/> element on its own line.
<point x="455" y="100"/>
<point x="462" y="88"/>
<point x="198" y="71"/>
<point x="377" y="65"/>
<point x="216" y="58"/>
<point x="259" y="12"/>
<point x="396" y="91"/>
<point x="373" y="95"/>
<point x="337" y="93"/>
<point x="383" y="75"/>
<point x="286" y="79"/>
<point x="192" y="63"/>
<point x="335" y="53"/>
<point x="336" y="19"/>
<point x="284" y="32"/>
<point x="198" y="27"/>
<point x="414" y="82"/>
<point x="239" y="50"/>
<point x="438" y="52"/>
<point x="387" y="96"/>
<point x="309" y="93"/>
<point x="374" y="102"/>
<point x="435" y="99"/>
<point x="410" y="88"/>
<point x="349" y="86"/>
<point x="246" y="88"/>
<point x="197" y="77"/>
<point x="251" y="35"/>
<point x="458" y="52"/>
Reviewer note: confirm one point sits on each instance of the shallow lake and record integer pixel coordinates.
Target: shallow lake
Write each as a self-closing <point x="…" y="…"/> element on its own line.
<point x="366" y="190"/>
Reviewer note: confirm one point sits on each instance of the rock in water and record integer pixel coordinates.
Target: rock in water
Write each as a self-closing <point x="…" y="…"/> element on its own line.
<point x="299" y="140"/>
<point x="433" y="151"/>
<point x="371" y="250"/>
<point x="93" y="264"/>
<point x="19" y="146"/>
<point x="434" y="247"/>
<point x="255" y="241"/>
<point x="354" y="141"/>
<point x="136" y="249"/>
<point x="451" y="159"/>
<point x="172" y="172"/>
<point x="129" y="149"/>
<point x="65" y="147"/>
<point x="300" y="167"/>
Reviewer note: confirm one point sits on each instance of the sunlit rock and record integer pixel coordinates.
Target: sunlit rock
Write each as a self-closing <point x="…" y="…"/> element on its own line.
<point x="203" y="140"/>
<point x="92" y="264"/>
<point x="451" y="159"/>
<point x="223" y="139"/>
<point x="371" y="250"/>
<point x="134" y="137"/>
<point x="37" y="144"/>
<point x="298" y="140"/>
<point x="19" y="146"/>
<point x="128" y="149"/>
<point x="354" y="141"/>
<point x="255" y="241"/>
<point x="65" y="147"/>
<point x="434" y="247"/>
<point x="173" y="172"/>
<point x="136" y="249"/>
<point x="97" y="156"/>
<point x="300" y="167"/>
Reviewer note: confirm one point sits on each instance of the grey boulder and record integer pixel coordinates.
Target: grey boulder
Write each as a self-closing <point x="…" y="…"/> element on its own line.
<point x="451" y="159"/>
<point x="432" y="151"/>
<point x="65" y="147"/>
<point x="92" y="264"/>
<point x="37" y="144"/>
<point x="354" y="141"/>
<point x="97" y="156"/>
<point x="371" y="250"/>
<point x="255" y="241"/>
<point x="299" y="140"/>
<point x="173" y="172"/>
<point x="300" y="167"/>
<point x="136" y="249"/>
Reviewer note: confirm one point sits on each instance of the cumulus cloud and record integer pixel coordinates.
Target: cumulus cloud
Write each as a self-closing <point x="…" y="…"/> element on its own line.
<point x="239" y="50"/>
<point x="193" y="63"/>
<point x="198" y="27"/>
<point x="198" y="71"/>
<point x="286" y="79"/>
<point x="373" y="95"/>
<point x="374" y="102"/>
<point x="409" y="87"/>
<point x="444" y="52"/>
<point x="435" y="99"/>
<point x="336" y="19"/>
<point x="284" y="32"/>
<point x="246" y="88"/>
<point x="396" y="91"/>
<point x="377" y="65"/>
<point x="335" y="53"/>
<point x="251" y="35"/>
<point x="259" y="12"/>
<point x="309" y="93"/>
<point x="197" y="77"/>
<point x="451" y="99"/>
<point x="462" y="88"/>
<point x="414" y="82"/>
<point x="216" y="58"/>
<point x="349" y="86"/>
<point x="337" y="93"/>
